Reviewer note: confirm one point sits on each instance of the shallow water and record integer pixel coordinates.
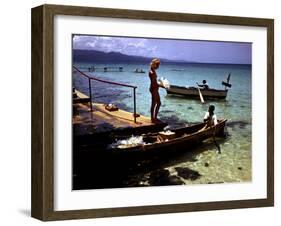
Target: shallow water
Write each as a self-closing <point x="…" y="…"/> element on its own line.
<point x="234" y="163"/>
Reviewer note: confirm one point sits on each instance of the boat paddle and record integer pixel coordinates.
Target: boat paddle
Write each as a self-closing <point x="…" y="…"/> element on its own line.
<point x="215" y="142"/>
<point x="201" y="96"/>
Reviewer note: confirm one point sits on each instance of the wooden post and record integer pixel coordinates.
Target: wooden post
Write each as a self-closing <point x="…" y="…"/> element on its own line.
<point x="135" y="111"/>
<point x="90" y="94"/>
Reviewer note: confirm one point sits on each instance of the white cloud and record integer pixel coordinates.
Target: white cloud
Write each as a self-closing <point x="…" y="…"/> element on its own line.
<point x="129" y="46"/>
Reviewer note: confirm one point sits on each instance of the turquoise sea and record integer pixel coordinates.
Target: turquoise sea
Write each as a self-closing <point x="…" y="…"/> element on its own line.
<point x="234" y="162"/>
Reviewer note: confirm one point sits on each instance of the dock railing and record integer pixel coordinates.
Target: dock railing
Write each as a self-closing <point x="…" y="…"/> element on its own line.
<point x="90" y="78"/>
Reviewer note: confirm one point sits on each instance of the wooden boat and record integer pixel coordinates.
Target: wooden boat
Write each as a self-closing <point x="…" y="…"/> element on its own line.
<point x="197" y="93"/>
<point x="192" y="92"/>
<point x="178" y="140"/>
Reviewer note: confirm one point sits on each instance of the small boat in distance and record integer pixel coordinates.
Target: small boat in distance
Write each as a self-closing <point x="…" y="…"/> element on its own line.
<point x="139" y="71"/>
<point x="160" y="143"/>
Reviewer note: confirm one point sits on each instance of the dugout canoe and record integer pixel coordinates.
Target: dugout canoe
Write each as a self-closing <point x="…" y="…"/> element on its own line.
<point x="181" y="139"/>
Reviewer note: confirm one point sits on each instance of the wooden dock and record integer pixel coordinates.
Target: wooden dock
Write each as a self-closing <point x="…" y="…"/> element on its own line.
<point x="100" y="120"/>
<point x="78" y="97"/>
<point x="104" y="69"/>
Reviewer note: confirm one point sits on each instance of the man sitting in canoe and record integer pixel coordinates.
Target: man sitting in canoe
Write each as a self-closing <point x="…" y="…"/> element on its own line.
<point x="211" y="120"/>
<point x="210" y="117"/>
<point x="204" y="85"/>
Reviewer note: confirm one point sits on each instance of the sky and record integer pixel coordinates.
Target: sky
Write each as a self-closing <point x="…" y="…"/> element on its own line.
<point x="181" y="50"/>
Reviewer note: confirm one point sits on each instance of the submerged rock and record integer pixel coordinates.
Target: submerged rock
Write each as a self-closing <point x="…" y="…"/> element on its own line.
<point x="240" y="124"/>
<point x="219" y="182"/>
<point x="159" y="173"/>
<point x="174" y="180"/>
<point x="167" y="111"/>
<point x="174" y="121"/>
<point x="187" y="173"/>
<point x="162" y="177"/>
<point x="206" y="164"/>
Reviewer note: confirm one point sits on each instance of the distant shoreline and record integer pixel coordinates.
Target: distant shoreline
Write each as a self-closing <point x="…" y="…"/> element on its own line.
<point x="175" y="62"/>
<point x="90" y="56"/>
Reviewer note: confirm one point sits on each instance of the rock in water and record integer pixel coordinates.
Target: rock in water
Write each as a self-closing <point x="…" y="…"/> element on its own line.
<point x="187" y="173"/>
<point x="162" y="177"/>
<point x="174" y="180"/>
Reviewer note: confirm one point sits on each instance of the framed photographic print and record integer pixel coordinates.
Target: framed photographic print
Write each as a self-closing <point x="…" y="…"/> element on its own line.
<point x="141" y="112"/>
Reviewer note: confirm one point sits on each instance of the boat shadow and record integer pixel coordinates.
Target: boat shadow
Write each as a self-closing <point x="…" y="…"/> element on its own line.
<point x="97" y="171"/>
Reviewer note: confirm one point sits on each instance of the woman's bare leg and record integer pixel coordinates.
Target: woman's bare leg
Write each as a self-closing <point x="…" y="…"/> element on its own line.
<point x="157" y="110"/>
<point x="152" y="109"/>
<point x="158" y="104"/>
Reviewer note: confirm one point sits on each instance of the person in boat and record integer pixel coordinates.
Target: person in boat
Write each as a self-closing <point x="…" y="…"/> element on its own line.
<point x="204" y="85"/>
<point x="210" y="117"/>
<point x="154" y="87"/>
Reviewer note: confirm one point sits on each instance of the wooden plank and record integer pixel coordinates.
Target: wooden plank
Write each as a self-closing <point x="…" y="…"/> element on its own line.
<point x="81" y="98"/>
<point x="99" y="120"/>
<point x="81" y="95"/>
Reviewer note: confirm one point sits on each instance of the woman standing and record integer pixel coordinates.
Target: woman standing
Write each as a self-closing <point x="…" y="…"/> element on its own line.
<point x="154" y="86"/>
